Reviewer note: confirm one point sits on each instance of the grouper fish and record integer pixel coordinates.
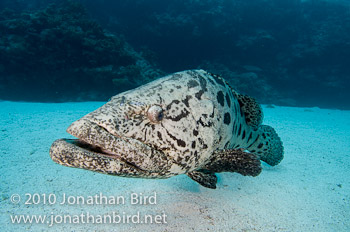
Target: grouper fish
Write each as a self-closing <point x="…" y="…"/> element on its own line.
<point x="190" y="122"/>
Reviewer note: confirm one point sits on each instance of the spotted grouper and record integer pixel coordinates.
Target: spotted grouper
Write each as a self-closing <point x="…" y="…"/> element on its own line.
<point x="189" y="122"/>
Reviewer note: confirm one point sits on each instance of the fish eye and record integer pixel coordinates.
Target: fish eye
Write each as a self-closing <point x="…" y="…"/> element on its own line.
<point x="122" y="102"/>
<point x="155" y="114"/>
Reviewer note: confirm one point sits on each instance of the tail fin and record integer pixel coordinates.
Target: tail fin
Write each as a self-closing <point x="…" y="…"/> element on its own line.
<point x="268" y="146"/>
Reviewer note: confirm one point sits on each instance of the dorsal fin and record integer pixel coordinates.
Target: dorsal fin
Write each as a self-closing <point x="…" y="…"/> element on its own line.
<point x="251" y="109"/>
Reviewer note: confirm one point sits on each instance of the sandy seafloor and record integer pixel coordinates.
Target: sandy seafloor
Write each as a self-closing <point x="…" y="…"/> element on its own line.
<point x="308" y="191"/>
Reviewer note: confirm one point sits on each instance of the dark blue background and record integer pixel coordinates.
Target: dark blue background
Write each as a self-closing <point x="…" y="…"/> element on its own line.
<point x="286" y="52"/>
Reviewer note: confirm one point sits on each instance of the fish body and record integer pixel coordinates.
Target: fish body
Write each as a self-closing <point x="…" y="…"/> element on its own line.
<point x="190" y="122"/>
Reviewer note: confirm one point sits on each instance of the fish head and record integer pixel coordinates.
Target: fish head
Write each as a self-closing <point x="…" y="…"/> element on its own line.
<point x="158" y="128"/>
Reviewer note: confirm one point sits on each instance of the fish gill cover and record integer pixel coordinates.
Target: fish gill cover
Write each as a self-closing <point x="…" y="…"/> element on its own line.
<point x="281" y="52"/>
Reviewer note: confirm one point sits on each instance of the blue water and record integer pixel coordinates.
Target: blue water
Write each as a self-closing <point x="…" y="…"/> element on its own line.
<point x="282" y="52"/>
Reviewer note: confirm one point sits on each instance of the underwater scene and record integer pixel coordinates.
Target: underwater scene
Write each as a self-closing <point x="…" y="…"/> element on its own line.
<point x="176" y="115"/>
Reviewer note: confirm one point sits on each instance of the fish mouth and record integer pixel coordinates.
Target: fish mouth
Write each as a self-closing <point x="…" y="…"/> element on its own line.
<point x="78" y="154"/>
<point x="95" y="138"/>
<point x="97" y="143"/>
<point x="92" y="148"/>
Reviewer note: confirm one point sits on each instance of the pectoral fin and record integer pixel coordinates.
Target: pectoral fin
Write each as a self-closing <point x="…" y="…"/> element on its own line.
<point x="237" y="160"/>
<point x="204" y="178"/>
<point x="245" y="163"/>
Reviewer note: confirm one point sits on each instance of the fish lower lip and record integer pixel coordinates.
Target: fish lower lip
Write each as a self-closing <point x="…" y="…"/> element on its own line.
<point x="92" y="148"/>
<point x="79" y="154"/>
<point x="98" y="150"/>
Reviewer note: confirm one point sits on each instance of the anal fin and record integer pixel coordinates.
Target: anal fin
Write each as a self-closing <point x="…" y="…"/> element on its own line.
<point x="234" y="160"/>
<point x="204" y="178"/>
